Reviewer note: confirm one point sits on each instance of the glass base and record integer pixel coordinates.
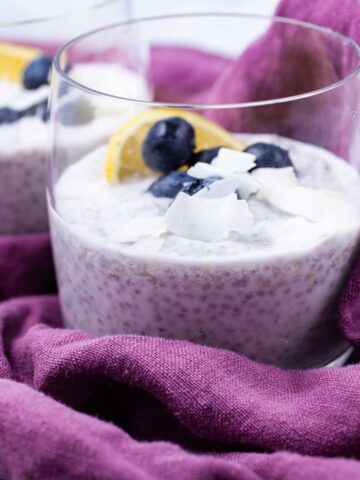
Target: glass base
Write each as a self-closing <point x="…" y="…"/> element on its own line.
<point x="342" y="359"/>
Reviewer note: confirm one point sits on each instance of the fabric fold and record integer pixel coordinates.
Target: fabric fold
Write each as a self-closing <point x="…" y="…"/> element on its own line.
<point x="243" y="404"/>
<point x="68" y="410"/>
<point x="70" y="445"/>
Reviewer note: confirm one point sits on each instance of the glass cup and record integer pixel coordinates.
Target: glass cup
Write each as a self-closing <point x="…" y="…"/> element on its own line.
<point x="29" y="37"/>
<point x="245" y="250"/>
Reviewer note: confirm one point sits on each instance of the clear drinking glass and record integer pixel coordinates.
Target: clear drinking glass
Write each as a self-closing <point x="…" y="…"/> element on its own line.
<point x="128" y="261"/>
<point x="30" y="31"/>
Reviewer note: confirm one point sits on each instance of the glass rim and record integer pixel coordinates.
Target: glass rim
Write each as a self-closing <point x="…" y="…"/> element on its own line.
<point x="187" y="106"/>
<point x="96" y="5"/>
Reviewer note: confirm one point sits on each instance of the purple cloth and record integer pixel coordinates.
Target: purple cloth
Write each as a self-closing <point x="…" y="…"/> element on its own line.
<point x="130" y="407"/>
<point x="169" y="72"/>
<point x="284" y="62"/>
<point x="74" y="406"/>
<point x="26" y="266"/>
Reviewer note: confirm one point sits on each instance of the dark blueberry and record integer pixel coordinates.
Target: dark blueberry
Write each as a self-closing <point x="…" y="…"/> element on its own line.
<point x="198" y="184"/>
<point x="205" y="156"/>
<point x="64" y="87"/>
<point x="269" y="155"/>
<point x="76" y="112"/>
<point x="39" y="110"/>
<point x="37" y="73"/>
<point x="170" y="185"/>
<point x="42" y="111"/>
<point x="169" y="144"/>
<point x="7" y="115"/>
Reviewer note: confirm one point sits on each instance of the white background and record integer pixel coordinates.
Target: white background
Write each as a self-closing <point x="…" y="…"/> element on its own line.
<point x="14" y="9"/>
<point x="156" y="7"/>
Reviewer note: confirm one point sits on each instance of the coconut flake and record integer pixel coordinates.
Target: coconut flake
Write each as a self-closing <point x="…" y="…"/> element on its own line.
<point x="244" y="184"/>
<point x="29" y="98"/>
<point x="202" y="170"/>
<point x="231" y="162"/>
<point x="138" y="228"/>
<point x="279" y="187"/>
<point x="226" y="164"/>
<point x="275" y="176"/>
<point x="208" y="219"/>
<point x="314" y="205"/>
<point x="8" y="92"/>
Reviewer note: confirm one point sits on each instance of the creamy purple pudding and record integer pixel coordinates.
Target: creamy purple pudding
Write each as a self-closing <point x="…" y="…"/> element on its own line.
<point x="246" y="256"/>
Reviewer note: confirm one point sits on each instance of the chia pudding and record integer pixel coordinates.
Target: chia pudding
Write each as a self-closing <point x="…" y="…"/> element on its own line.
<point x="23" y="135"/>
<point x="268" y="291"/>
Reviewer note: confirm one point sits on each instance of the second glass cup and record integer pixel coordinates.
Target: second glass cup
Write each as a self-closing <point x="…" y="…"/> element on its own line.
<point x="223" y="208"/>
<point x="29" y="37"/>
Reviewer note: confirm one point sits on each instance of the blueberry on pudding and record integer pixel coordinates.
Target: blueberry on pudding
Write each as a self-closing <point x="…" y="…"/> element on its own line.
<point x="169" y="144"/>
<point x="37" y="73"/>
<point x="171" y="184"/>
<point x="269" y="155"/>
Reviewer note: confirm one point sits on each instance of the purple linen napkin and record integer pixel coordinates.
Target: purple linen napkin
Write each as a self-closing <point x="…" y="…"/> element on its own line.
<point x="130" y="407"/>
<point x="178" y="74"/>
<point x="74" y="406"/>
<point x="26" y="266"/>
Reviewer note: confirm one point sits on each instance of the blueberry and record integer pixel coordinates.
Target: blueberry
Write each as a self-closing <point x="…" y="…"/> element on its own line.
<point x="64" y="87"/>
<point x="37" y="73"/>
<point x="198" y="184"/>
<point x="169" y="144"/>
<point x="7" y="115"/>
<point x="170" y="185"/>
<point x="39" y="110"/>
<point x="42" y="110"/>
<point x="269" y="156"/>
<point x="205" y="156"/>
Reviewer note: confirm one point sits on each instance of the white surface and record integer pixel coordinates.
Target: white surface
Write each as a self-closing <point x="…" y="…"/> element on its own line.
<point x="80" y="20"/>
<point x="15" y="10"/>
<point x="66" y="19"/>
<point x="142" y="8"/>
<point x="229" y="41"/>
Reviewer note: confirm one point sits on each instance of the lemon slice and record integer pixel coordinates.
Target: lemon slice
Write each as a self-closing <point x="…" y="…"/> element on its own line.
<point x="13" y="60"/>
<point x="124" y="156"/>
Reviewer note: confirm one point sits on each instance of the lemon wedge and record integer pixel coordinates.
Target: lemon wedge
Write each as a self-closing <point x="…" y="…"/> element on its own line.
<point x="124" y="156"/>
<point x="13" y="60"/>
